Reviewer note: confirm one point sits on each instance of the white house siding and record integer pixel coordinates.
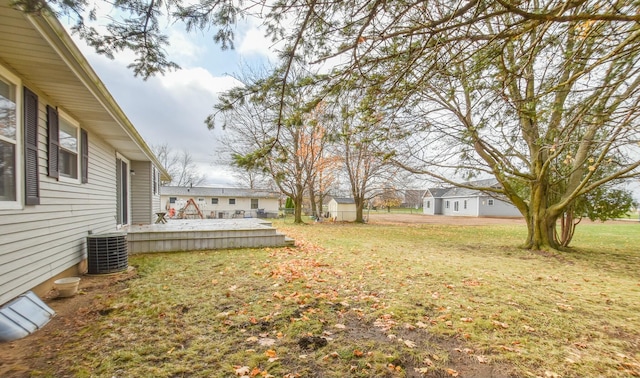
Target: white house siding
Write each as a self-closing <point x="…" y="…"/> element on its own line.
<point x="471" y="209"/>
<point x="41" y="241"/>
<point x="498" y="209"/>
<point x="142" y="207"/>
<point x="223" y="209"/>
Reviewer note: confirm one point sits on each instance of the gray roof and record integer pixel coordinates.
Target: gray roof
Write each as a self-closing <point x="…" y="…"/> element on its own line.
<point x="344" y="200"/>
<point x="465" y="192"/>
<point x="437" y="192"/>
<point x="217" y="192"/>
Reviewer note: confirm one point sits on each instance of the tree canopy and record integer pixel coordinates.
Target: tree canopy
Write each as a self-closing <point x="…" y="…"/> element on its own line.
<point x="542" y="95"/>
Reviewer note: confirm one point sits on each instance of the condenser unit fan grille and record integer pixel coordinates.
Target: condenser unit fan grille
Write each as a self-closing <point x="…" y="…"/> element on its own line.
<point x="107" y="253"/>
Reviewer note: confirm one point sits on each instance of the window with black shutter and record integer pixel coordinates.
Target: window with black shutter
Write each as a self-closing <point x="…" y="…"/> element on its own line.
<point x="31" y="180"/>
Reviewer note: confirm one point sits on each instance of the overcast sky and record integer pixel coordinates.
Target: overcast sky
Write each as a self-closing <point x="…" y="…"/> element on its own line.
<point x="172" y="108"/>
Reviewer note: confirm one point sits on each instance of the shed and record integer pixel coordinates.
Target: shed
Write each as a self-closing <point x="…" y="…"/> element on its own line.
<point x="342" y="209"/>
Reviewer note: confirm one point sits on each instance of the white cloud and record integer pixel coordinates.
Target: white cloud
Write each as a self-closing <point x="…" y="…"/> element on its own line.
<point x="182" y="49"/>
<point x="254" y="42"/>
<point x="188" y="79"/>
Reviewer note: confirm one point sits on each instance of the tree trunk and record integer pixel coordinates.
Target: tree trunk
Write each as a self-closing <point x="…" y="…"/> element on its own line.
<point x="297" y="210"/>
<point x="312" y="199"/>
<point x="541" y="224"/>
<point x="359" y="210"/>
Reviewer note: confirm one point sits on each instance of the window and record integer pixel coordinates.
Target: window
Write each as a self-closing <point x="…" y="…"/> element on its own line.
<point x="446" y="204"/>
<point x="429" y="204"/>
<point x="68" y="147"/>
<point x="232" y="201"/>
<point x="456" y="206"/>
<point x="254" y="203"/>
<point x="8" y="139"/>
<point x="490" y="202"/>
<point x="464" y="205"/>
<point x="200" y="199"/>
<point x="214" y="201"/>
<point x="172" y="199"/>
<point x="68" y="139"/>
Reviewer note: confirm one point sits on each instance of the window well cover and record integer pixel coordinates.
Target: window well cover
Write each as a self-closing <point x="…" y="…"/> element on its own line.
<point x="23" y="316"/>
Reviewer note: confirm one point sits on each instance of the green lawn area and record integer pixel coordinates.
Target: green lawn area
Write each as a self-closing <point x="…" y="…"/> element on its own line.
<point x="375" y="301"/>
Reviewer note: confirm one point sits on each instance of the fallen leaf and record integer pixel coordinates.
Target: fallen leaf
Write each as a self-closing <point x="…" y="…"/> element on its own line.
<point x="251" y="339"/>
<point x="340" y="326"/>
<point x="242" y="370"/>
<point x="423" y="370"/>
<point x="453" y="373"/>
<point x="421" y="325"/>
<point x="466" y="320"/>
<point x="500" y="324"/>
<point x="410" y="343"/>
<point x="358" y="353"/>
<point x="427" y="361"/>
<point x="482" y="359"/>
<point x="255" y="372"/>
<point x="270" y="353"/>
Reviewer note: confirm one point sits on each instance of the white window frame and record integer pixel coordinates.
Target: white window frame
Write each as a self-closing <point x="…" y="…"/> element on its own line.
<point x="14" y="80"/>
<point x="428" y="204"/>
<point x="71" y="121"/>
<point x="464" y="205"/>
<point x="446" y="204"/>
<point x="456" y="206"/>
<point x="214" y="200"/>
<point x="257" y="205"/>
<point x="232" y="201"/>
<point x="490" y="202"/>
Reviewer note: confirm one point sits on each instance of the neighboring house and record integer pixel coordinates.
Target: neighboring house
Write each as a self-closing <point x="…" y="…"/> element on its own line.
<point x="342" y="209"/>
<point x="223" y="202"/>
<point x="432" y="201"/>
<point x="468" y="202"/>
<point x="71" y="163"/>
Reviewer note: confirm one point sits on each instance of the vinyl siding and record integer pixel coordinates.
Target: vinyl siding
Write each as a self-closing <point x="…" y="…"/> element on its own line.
<point x="141" y="192"/>
<point x="242" y="203"/>
<point x="41" y="241"/>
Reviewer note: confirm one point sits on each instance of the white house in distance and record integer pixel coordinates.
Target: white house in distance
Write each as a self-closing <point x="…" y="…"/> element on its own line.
<point x="223" y="203"/>
<point x="342" y="209"/>
<point x="468" y="202"/>
<point x="71" y="162"/>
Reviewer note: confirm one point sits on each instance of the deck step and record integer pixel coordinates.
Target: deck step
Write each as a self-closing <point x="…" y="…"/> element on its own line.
<point x="203" y="235"/>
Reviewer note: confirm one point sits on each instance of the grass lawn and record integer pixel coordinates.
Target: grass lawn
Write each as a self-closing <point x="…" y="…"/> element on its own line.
<point x="375" y="301"/>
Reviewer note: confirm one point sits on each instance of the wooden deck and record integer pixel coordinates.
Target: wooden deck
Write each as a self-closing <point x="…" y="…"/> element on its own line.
<point x="205" y="234"/>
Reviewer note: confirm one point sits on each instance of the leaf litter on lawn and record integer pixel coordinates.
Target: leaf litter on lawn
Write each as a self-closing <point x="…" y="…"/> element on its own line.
<point x="384" y="303"/>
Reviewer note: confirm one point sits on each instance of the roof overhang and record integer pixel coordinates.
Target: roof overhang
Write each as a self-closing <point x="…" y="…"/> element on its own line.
<point x="41" y="52"/>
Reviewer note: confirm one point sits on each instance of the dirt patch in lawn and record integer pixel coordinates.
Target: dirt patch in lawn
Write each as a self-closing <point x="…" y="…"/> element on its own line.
<point x="36" y="353"/>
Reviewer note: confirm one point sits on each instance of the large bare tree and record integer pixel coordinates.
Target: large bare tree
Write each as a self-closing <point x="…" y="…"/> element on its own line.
<point x="180" y="165"/>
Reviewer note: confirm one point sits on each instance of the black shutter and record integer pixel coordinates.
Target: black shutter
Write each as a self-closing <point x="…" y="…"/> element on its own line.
<point x="84" y="148"/>
<point x="155" y="176"/>
<point x="31" y="179"/>
<point x="53" y="142"/>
